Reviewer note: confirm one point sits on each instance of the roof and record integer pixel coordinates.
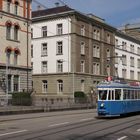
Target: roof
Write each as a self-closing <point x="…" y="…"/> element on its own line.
<point x="50" y="11"/>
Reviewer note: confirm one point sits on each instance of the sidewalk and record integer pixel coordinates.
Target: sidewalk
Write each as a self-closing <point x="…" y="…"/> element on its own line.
<point x="45" y="114"/>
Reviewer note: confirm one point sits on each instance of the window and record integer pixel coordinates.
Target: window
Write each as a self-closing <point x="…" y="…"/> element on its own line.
<point x="138" y="61"/>
<point x="82" y="66"/>
<point x="9" y="83"/>
<point x="96" y="51"/>
<point x="108" y="70"/>
<point x="96" y="34"/>
<point x="96" y="68"/>
<point x="16" y="8"/>
<point x="108" y="38"/>
<point x="132" y="61"/>
<point x="116" y="58"/>
<point x="15" y="59"/>
<point x="31" y="32"/>
<point x="138" y="76"/>
<point x="32" y="51"/>
<point x="82" y="48"/>
<point x="59" y="86"/>
<point x="16" y="83"/>
<point x="8" y="31"/>
<point x="59" y="66"/>
<point x="124" y="73"/>
<point x="44" y="50"/>
<point x="124" y="45"/>
<point x="16" y="30"/>
<point x="82" y="85"/>
<point x="132" y="48"/>
<point x="83" y="30"/>
<point x="59" y="29"/>
<point x="44" y="86"/>
<point x="108" y="52"/>
<point x="32" y="65"/>
<point x="8" y="58"/>
<point x="132" y="75"/>
<point x="116" y="72"/>
<point x="44" y="67"/>
<point x="124" y="62"/>
<point x="138" y="50"/>
<point x="8" y="5"/>
<point x="44" y="31"/>
<point x="116" y="42"/>
<point x="59" y="48"/>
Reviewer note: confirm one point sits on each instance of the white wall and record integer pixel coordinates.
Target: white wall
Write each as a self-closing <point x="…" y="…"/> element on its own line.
<point x="128" y="55"/>
<point x="51" y="40"/>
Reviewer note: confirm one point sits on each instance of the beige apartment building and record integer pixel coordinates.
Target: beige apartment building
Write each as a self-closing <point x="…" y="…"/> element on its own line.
<point x="71" y="52"/>
<point x="15" y="34"/>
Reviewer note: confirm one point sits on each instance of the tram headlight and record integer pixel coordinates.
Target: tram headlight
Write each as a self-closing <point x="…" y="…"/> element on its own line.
<point x="102" y="104"/>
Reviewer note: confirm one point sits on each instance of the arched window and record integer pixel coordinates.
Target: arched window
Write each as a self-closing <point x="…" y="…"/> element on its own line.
<point x="16" y="53"/>
<point x="16" y="30"/>
<point x="8" y="51"/>
<point x="8" y="5"/>
<point x="8" y="30"/>
<point x="59" y="86"/>
<point x="16" y="8"/>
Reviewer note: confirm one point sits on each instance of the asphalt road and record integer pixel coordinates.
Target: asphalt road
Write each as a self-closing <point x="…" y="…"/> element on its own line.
<point x="68" y="125"/>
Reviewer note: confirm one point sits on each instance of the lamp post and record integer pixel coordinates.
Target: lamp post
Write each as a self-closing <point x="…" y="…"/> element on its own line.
<point x="6" y="77"/>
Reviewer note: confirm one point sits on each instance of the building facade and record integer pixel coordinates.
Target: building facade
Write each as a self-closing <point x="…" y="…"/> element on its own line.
<point x="15" y="38"/>
<point x="70" y="52"/>
<point x="127" y="61"/>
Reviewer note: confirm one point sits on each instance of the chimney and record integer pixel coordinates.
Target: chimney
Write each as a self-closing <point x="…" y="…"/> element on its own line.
<point x="57" y="4"/>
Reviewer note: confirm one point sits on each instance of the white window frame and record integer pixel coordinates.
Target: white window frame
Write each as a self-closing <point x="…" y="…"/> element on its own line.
<point x="82" y="66"/>
<point x="44" y="86"/>
<point x="59" y="46"/>
<point x="82" y="44"/>
<point x="59" y="29"/>
<point x="44" y="67"/>
<point x="59" y="66"/>
<point x="60" y="86"/>
<point x="44" y="31"/>
<point x="83" y="30"/>
<point x="44" y="49"/>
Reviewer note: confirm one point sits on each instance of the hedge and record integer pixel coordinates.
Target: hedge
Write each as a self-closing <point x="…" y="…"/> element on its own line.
<point x="21" y="98"/>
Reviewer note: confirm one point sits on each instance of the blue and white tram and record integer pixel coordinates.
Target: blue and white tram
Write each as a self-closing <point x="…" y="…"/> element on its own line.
<point x="116" y="98"/>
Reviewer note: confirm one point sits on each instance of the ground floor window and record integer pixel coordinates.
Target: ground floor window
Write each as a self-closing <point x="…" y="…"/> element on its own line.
<point x="59" y="86"/>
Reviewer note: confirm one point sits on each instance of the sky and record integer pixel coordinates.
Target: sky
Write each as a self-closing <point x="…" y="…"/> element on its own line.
<point x="115" y="12"/>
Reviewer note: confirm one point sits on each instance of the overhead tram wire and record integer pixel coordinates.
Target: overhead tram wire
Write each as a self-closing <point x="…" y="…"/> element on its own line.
<point x="40" y="4"/>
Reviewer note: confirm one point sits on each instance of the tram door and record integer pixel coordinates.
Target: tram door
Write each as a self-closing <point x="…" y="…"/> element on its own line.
<point x="111" y="98"/>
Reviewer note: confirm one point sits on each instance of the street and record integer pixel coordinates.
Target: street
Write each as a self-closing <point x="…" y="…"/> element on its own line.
<point x="68" y="125"/>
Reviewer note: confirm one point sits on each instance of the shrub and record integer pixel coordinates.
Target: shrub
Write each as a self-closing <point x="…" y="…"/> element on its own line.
<point x="79" y="94"/>
<point x="80" y="97"/>
<point x="21" y="98"/>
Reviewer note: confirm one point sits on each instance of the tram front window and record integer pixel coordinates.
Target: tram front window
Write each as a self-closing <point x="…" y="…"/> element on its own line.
<point x="102" y="94"/>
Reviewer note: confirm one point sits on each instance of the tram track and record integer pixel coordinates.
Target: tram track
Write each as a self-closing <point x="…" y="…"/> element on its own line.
<point x="72" y="126"/>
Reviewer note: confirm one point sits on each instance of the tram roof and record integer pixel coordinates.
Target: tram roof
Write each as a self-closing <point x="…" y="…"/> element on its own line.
<point x="115" y="84"/>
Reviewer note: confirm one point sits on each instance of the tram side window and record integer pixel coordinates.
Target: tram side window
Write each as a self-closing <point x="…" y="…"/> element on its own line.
<point x="117" y="94"/>
<point x="125" y="94"/>
<point x="102" y="94"/>
<point x="109" y="96"/>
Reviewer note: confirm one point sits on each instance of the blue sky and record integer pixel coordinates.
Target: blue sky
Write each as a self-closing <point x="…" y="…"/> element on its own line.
<point x="116" y="12"/>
